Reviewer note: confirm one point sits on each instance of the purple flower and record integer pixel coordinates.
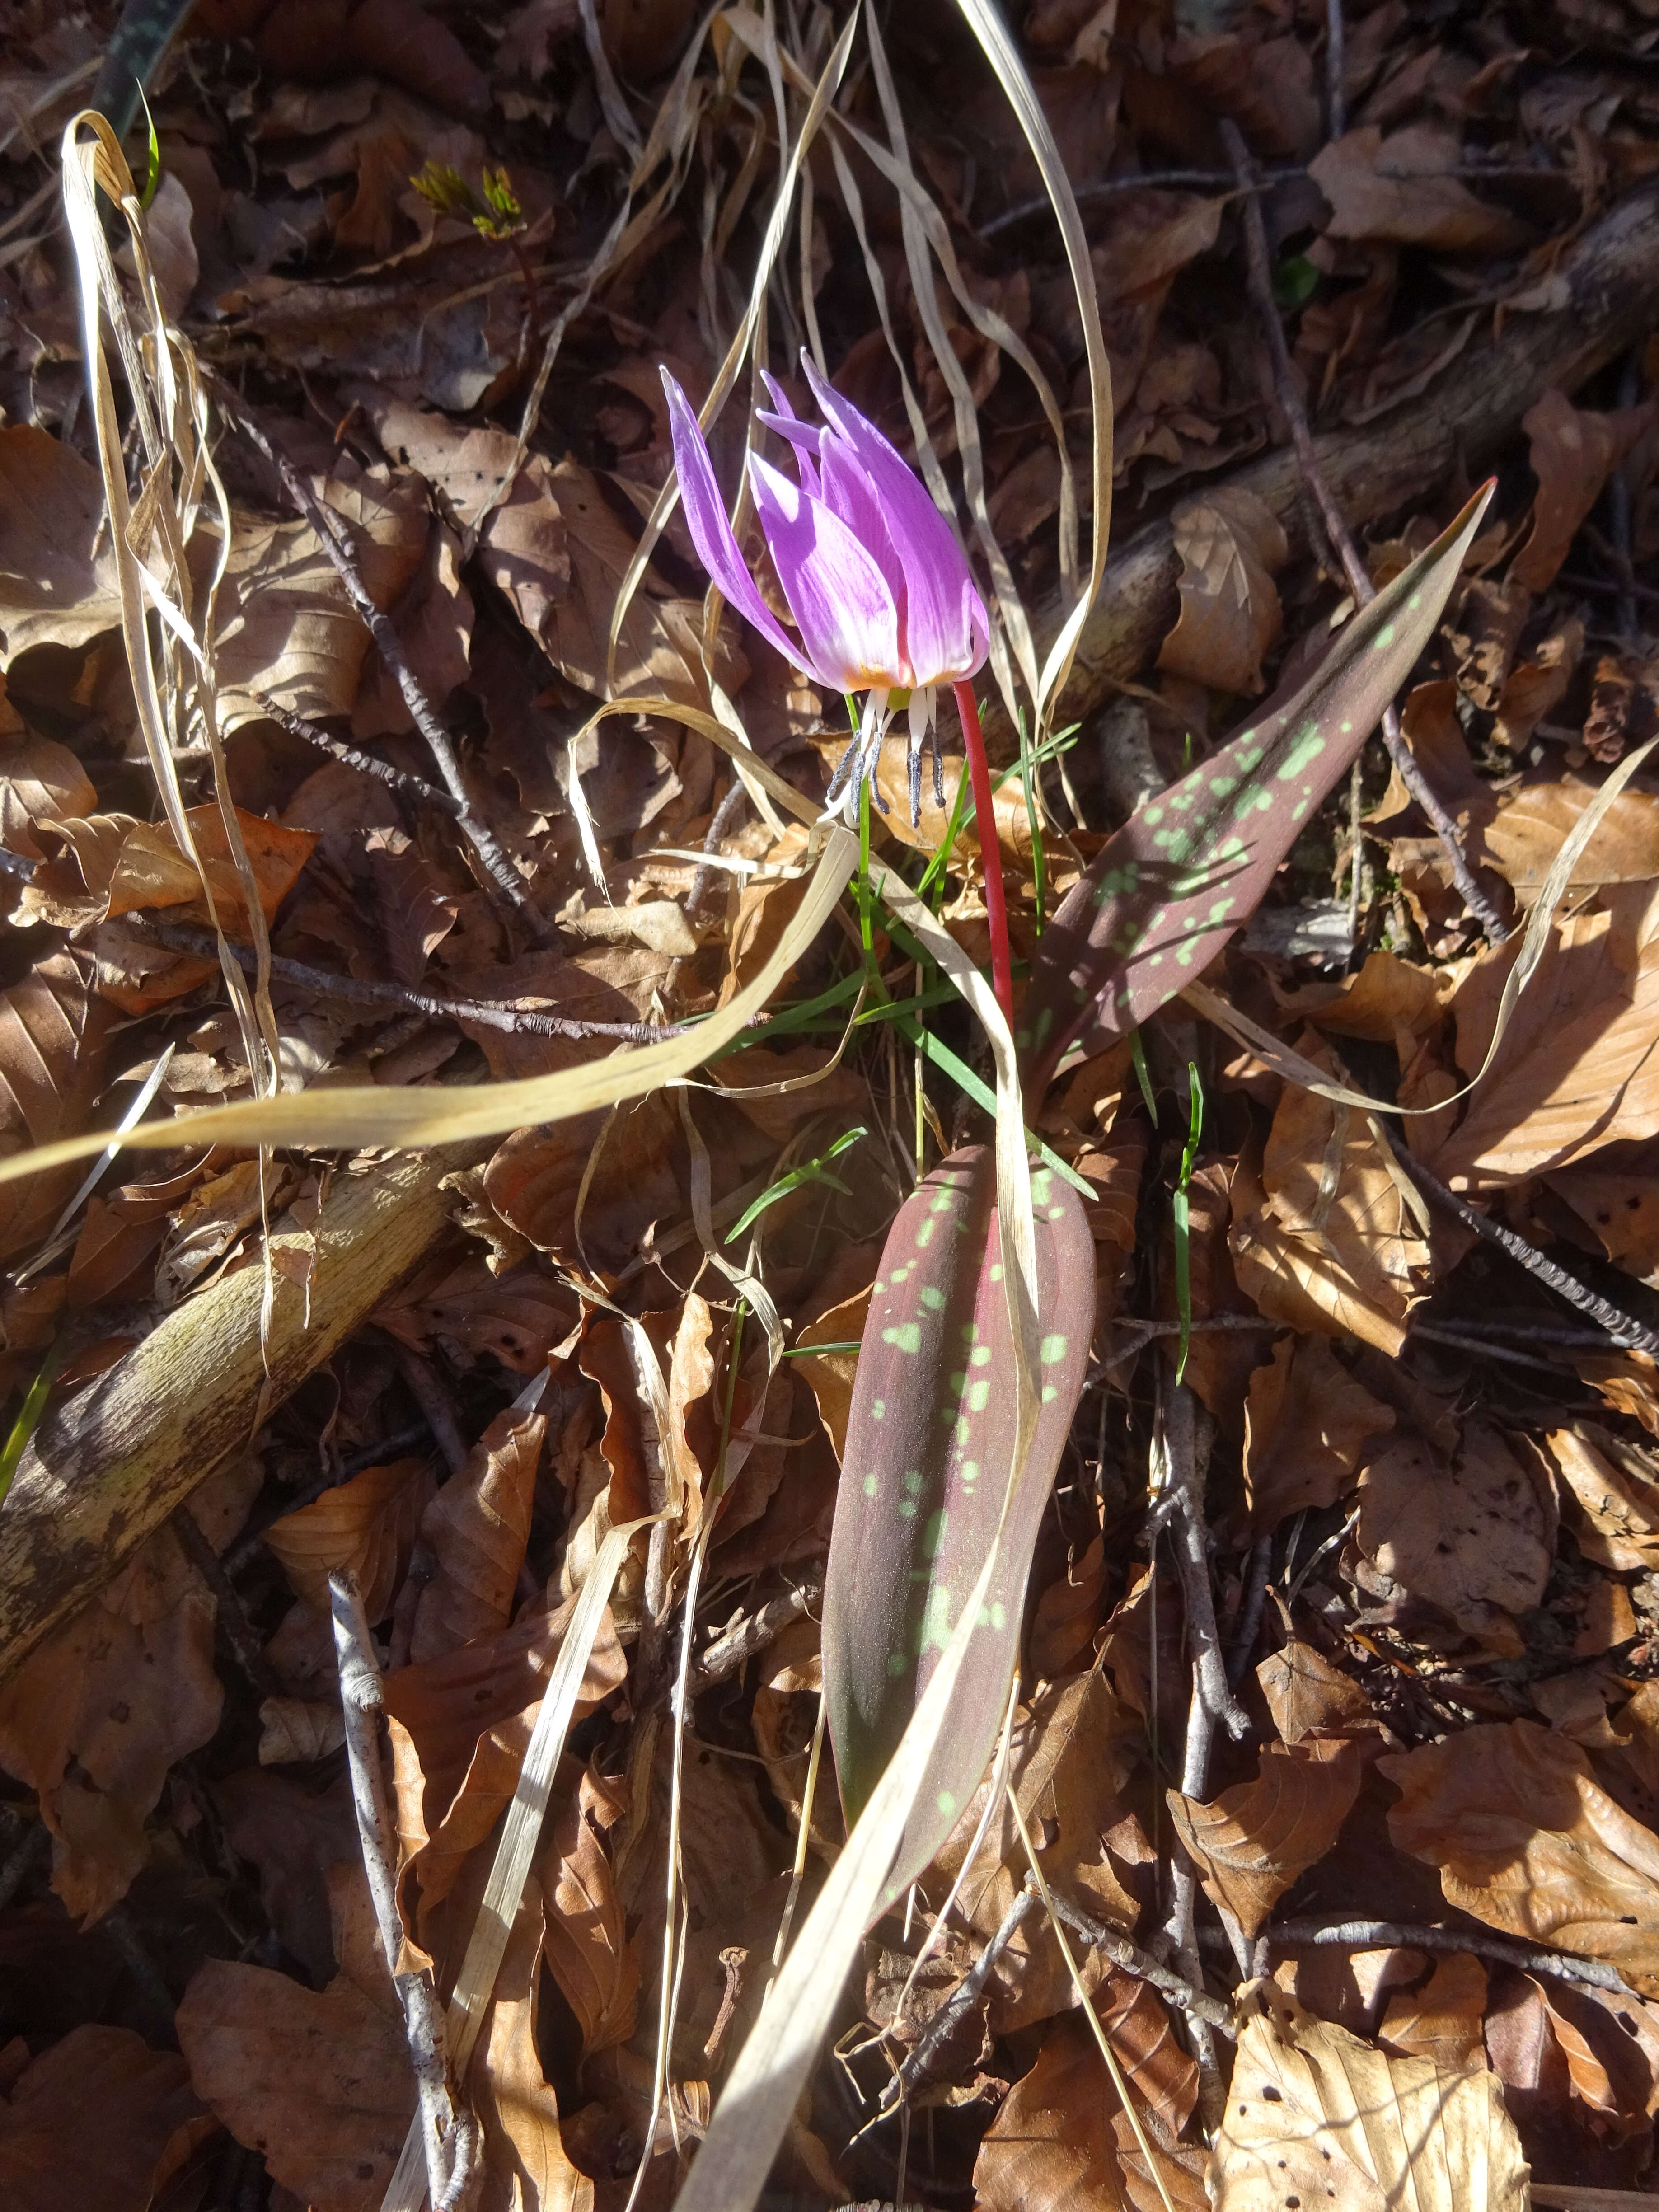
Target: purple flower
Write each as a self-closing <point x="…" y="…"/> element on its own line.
<point x="880" y="589"/>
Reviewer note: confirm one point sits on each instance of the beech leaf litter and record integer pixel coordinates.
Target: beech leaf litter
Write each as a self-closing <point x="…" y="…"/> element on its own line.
<point x="893" y="1447"/>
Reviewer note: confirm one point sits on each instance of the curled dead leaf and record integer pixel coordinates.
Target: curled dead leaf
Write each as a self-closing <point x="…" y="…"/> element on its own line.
<point x="1254" y="1841"/>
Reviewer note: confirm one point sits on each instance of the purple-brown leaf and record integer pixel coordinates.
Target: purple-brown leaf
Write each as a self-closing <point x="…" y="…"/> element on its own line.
<point x="1165" y="893"/>
<point x="930" y="1441"/>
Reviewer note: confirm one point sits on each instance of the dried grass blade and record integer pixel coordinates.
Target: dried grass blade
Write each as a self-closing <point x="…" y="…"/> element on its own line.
<point x="986" y="23"/>
<point x="406" y="2191"/>
<point x="360" y="1115"/>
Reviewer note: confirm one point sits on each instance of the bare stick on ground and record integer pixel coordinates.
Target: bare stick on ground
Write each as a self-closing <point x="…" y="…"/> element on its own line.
<point x="1625" y="1330"/>
<point x="444" y="2130"/>
<point x="1287" y="394"/>
<point x="1377" y="1934"/>
<point x="1211" y="1700"/>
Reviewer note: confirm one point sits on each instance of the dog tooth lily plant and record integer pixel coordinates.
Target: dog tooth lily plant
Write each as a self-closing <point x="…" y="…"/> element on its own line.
<point x="879" y="588"/>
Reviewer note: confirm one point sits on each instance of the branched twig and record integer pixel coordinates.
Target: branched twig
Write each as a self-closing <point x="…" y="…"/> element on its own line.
<point x="1145" y="1968"/>
<point x="332" y="536"/>
<point x="443" y="2132"/>
<point x="1628" y="1333"/>
<point x="1285" y="391"/>
<point x="732" y="1652"/>
<point x="967" y="1993"/>
<point x="426" y="1388"/>
<point x="1377" y="1935"/>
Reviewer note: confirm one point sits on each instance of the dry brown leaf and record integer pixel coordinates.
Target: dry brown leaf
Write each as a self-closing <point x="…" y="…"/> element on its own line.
<point x="57" y="584"/>
<point x="1405" y="188"/>
<point x="460" y="1728"/>
<point x="1313" y="2113"/>
<point x="1326" y="1239"/>
<point x="1073" y="1751"/>
<point x="53" y="1049"/>
<point x="39" y="782"/>
<point x="1307" y="1695"/>
<point x="1623" y="1212"/>
<point x="525" y="2160"/>
<point x="1528" y="1841"/>
<point x="1230" y="545"/>
<point x="1572" y="454"/>
<point x="586" y="1946"/>
<point x="98" y="2122"/>
<point x="1067" y="1613"/>
<point x="1576" y="1068"/>
<point x="1471" y="1532"/>
<point x="364" y="1527"/>
<point x="1058" y="2143"/>
<point x="286" y="627"/>
<point x="294" y="1830"/>
<point x="1306" y="1420"/>
<point x="293" y="1731"/>
<point x="1442" y="2020"/>
<point x="477" y="1527"/>
<point x="317" y="2081"/>
<point x="1615" y="1513"/>
<point x="535" y="1182"/>
<point x="98" y="1711"/>
<point x="1254" y="1840"/>
<point x="151" y="871"/>
<point x="1051" y="2148"/>
<point x="1526" y="836"/>
<point x="830" y="1374"/>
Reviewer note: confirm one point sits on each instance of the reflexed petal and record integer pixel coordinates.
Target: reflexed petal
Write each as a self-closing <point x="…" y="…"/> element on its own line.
<point x="711" y="533"/>
<point x="947" y="632"/>
<point x="805" y="438"/>
<point x="836" y="589"/>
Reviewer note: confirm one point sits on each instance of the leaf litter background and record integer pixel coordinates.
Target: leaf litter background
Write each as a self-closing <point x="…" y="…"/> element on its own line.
<point x="1432" y="1490"/>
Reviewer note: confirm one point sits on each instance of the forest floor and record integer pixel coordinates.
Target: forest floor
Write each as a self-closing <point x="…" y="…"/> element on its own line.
<point x="1336" y="1733"/>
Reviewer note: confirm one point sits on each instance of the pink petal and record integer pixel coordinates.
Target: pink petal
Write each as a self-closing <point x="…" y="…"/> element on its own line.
<point x="947" y="632"/>
<point x="836" y="589"/>
<point x="711" y="532"/>
<point x="848" y="492"/>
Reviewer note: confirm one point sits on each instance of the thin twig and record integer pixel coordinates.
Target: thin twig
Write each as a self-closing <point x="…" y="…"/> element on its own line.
<point x="1628" y="1333"/>
<point x="332" y="536"/>
<point x="1133" y="1961"/>
<point x="1379" y="1935"/>
<point x="485" y="1013"/>
<point x="1192" y="1546"/>
<point x="1211" y="1700"/>
<point x="1289" y="397"/>
<point x="362" y="1698"/>
<point x="1255" y="1599"/>
<point x="426" y="1387"/>
<point x="239" y="1630"/>
<point x="732" y="1652"/>
<point x="967" y="1993"/>
<point x="1216" y="1324"/>
<point x="1336" y="105"/>
<point x="312" y="733"/>
<point x="1103" y="188"/>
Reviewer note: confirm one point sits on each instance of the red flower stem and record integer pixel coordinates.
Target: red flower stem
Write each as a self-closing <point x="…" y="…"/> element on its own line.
<point x="996" y="913"/>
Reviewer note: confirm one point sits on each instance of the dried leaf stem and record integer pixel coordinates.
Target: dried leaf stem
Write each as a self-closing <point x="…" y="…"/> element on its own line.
<point x="332" y="536"/>
<point x="1288" y="394"/>
<point x="444" y="2127"/>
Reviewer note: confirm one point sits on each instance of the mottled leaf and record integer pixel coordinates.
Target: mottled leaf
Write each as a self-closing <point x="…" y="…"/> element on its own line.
<point x="1166" y="892"/>
<point x="930" y="1439"/>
